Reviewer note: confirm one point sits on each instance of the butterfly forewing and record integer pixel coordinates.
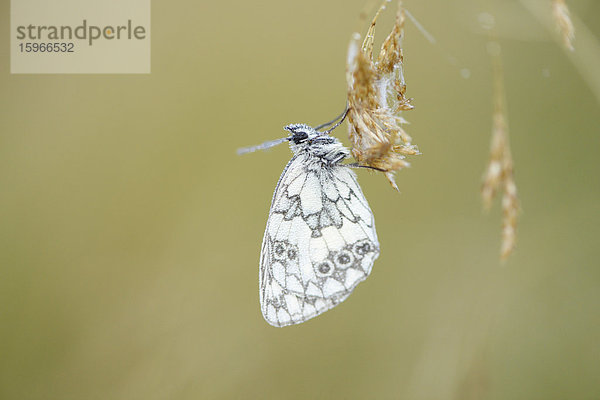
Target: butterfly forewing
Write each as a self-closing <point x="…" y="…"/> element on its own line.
<point x="320" y="242"/>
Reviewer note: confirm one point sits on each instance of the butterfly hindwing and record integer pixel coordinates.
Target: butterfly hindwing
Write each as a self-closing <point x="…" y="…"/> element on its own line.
<point x="320" y="242"/>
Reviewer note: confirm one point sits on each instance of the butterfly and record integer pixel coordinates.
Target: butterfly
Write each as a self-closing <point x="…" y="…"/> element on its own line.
<point x="320" y="241"/>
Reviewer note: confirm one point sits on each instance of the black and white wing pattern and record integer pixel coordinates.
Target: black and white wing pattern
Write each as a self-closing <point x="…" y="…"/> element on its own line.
<point x="320" y="242"/>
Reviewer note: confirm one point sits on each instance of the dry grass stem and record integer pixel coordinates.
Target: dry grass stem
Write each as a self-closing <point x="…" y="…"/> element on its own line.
<point x="510" y="208"/>
<point x="587" y="57"/>
<point x="562" y="18"/>
<point x="499" y="173"/>
<point x="376" y="96"/>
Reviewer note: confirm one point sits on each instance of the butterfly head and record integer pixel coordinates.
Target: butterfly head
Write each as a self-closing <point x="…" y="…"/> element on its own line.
<point x="301" y="134"/>
<point x="304" y="138"/>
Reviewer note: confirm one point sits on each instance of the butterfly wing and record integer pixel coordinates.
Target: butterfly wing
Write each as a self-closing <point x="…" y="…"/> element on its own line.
<point x="320" y="242"/>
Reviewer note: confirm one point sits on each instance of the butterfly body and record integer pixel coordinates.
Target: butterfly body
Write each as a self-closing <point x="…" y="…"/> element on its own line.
<point x="320" y="240"/>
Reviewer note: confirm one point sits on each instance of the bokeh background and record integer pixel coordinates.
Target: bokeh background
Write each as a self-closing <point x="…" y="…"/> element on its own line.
<point x="130" y="231"/>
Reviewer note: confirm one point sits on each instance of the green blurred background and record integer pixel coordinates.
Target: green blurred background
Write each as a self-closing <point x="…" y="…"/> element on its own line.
<point x="130" y="231"/>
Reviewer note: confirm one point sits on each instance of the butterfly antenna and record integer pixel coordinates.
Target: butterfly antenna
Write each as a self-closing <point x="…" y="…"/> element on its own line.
<point x="262" y="146"/>
<point x="342" y="116"/>
<point x="339" y="122"/>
